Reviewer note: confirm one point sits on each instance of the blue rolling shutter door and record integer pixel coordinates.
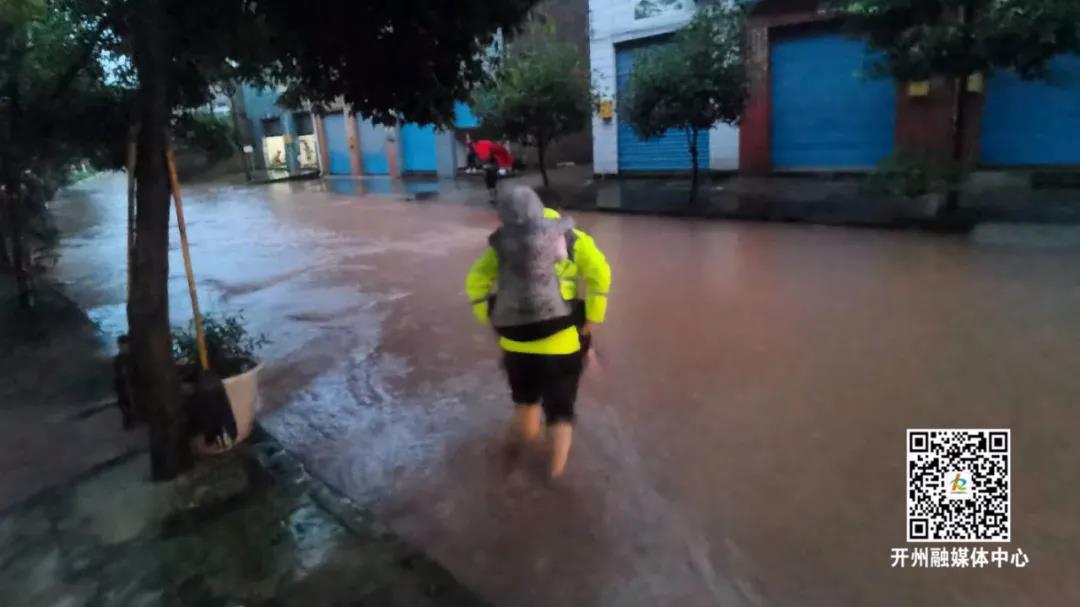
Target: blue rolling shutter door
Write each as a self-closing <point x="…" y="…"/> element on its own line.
<point x="1033" y="122"/>
<point x="825" y="113"/>
<point x="373" y="148"/>
<point x="418" y="148"/>
<point x="337" y="144"/>
<point x="670" y="151"/>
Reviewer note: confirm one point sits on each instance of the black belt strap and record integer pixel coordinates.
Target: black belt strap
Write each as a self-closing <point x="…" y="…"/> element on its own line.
<point x="537" y="330"/>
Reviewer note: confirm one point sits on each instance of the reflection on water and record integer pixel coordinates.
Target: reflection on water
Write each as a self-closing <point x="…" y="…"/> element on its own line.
<point x="342" y="185"/>
<point x="416" y="187"/>
<point x="379" y="185"/>
<point x="111" y="320"/>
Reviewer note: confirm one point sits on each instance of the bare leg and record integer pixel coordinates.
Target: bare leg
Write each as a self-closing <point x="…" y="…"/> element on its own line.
<point x="526" y="426"/>
<point x="562" y="434"/>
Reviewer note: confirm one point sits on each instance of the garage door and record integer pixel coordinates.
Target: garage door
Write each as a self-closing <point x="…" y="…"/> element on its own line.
<point x="1033" y="122"/>
<point x="418" y="148"/>
<point x="373" y="148"/>
<point x="825" y="113"/>
<point x="668" y="152"/>
<point x="337" y="144"/>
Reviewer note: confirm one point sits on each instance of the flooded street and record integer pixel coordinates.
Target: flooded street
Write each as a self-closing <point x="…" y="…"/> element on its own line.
<point x="742" y="439"/>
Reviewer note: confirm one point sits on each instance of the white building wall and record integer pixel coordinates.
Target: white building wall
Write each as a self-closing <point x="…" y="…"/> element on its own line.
<point x="612" y="22"/>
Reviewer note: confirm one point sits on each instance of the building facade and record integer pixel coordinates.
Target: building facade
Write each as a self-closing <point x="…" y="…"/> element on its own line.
<point x="812" y="107"/>
<point x="341" y="143"/>
<point x="619" y="31"/>
<point x="280" y="139"/>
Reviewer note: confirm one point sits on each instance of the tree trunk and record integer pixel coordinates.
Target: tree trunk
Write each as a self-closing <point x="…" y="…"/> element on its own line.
<point x="694" y="165"/>
<point x="157" y="388"/>
<point x="11" y="173"/>
<point x="15" y="220"/>
<point x="952" y="197"/>
<point x="18" y="247"/>
<point x="541" y="146"/>
<point x="237" y="139"/>
<point x="5" y="260"/>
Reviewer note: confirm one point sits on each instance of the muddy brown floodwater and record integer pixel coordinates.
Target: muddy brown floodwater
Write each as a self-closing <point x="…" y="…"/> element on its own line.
<point x="742" y="439"/>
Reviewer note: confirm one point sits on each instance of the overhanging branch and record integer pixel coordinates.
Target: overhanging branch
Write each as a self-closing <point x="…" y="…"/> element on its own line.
<point x="73" y="70"/>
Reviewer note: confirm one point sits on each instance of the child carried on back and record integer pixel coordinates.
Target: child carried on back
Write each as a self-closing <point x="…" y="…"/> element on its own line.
<point x="528" y="304"/>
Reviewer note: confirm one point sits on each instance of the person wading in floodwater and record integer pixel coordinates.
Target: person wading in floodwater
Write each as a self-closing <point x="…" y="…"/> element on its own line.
<point x="526" y="285"/>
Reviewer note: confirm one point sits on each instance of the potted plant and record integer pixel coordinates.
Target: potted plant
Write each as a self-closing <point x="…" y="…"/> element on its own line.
<point x="231" y="353"/>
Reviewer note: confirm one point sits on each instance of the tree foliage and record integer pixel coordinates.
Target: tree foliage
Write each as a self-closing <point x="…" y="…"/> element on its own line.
<point x="205" y="132"/>
<point x="920" y="39"/>
<point x="692" y="83"/>
<point x="387" y="60"/>
<point x="61" y="108"/>
<point x="57" y="110"/>
<point x="15" y="11"/>
<point x="230" y="348"/>
<point x="538" y="93"/>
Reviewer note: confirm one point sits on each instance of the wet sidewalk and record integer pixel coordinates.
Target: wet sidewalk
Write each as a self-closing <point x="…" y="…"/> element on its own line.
<point x="81" y="523"/>
<point x="832" y="199"/>
<point x="56" y="390"/>
<point x="251" y="528"/>
<point x="845" y="200"/>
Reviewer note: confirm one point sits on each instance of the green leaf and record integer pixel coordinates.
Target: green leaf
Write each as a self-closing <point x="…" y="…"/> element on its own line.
<point x="920" y="39"/>
<point x="693" y="82"/>
<point x="21" y="11"/>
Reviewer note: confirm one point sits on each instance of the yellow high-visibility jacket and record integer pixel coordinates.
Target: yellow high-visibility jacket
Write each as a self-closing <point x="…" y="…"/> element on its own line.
<point x="586" y="264"/>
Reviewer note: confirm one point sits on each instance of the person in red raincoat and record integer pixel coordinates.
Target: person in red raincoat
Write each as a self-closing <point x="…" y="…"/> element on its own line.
<point x="495" y="159"/>
<point x="487" y="150"/>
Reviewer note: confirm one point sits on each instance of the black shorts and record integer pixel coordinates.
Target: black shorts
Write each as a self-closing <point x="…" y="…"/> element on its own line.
<point x="551" y="380"/>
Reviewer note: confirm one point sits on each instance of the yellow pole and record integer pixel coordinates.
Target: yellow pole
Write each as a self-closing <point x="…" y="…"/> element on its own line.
<point x="200" y="337"/>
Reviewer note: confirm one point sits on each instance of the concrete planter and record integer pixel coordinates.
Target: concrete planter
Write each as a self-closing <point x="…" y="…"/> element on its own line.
<point x="245" y="402"/>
